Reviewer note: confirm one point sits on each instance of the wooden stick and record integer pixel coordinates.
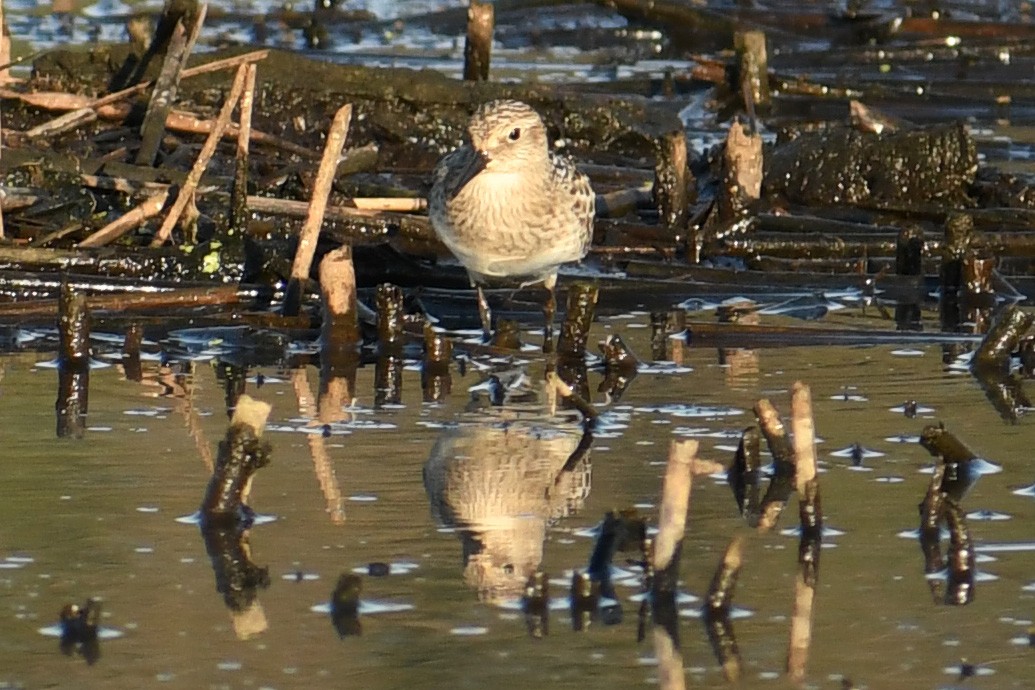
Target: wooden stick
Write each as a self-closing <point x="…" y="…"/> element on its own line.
<point x="481" y="20"/>
<point x="149" y="208"/>
<point x="239" y="194"/>
<point x="184" y="297"/>
<point x="339" y="329"/>
<point x="803" y="431"/>
<point x="310" y="231"/>
<point x="209" y="148"/>
<point x="164" y="93"/>
<point x="117" y="96"/>
<point x="675" y="501"/>
<point x="396" y="204"/>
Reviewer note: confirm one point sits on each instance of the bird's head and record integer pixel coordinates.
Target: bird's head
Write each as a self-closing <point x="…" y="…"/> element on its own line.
<point x="508" y="135"/>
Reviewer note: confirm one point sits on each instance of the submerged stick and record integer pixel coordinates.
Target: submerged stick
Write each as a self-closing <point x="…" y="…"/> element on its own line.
<point x="481" y="20"/>
<point x="204" y="156"/>
<point x="310" y="232"/>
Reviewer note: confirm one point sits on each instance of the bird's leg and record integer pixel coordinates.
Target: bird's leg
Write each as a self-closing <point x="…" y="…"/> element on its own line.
<point x="549" y="311"/>
<point x="485" y="314"/>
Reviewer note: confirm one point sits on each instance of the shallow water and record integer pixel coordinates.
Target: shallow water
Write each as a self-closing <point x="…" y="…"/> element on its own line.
<point x="98" y="518"/>
<point x="109" y="516"/>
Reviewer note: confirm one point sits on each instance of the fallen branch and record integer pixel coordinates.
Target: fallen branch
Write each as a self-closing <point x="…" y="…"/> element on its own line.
<point x="187" y="190"/>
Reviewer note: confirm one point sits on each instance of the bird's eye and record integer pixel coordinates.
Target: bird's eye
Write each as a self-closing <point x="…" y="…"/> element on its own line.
<point x="515" y="134"/>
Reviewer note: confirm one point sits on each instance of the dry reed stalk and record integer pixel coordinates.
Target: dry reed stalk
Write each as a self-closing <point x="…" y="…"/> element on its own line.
<point x="207" y="150"/>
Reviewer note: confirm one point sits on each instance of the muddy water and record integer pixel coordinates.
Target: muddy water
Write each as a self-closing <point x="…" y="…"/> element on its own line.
<point x="98" y="518"/>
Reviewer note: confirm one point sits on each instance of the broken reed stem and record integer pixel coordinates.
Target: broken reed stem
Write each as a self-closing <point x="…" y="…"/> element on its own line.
<point x="803" y="433"/>
<point x="675" y="502"/>
<point x="481" y="19"/>
<point x="339" y="329"/>
<point x="239" y="194"/>
<point x="164" y="93"/>
<point x="75" y="117"/>
<point x="147" y="209"/>
<point x="310" y="232"/>
<point x="207" y="150"/>
<point x="811" y="518"/>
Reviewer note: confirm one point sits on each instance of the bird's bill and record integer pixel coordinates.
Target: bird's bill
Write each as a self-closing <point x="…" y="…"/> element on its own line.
<point x="475" y="164"/>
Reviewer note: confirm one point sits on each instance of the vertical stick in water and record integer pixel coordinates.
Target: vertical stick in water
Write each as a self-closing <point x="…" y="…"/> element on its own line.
<point x="481" y="21"/>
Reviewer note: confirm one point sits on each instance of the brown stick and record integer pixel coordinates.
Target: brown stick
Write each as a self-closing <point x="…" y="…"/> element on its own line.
<point x="164" y="93"/>
<point x="675" y="502"/>
<point x="741" y="172"/>
<point x="310" y="231"/>
<point x="207" y="149"/>
<point x="338" y="286"/>
<point x="803" y="432"/>
<point x="50" y="128"/>
<point x="186" y="298"/>
<point x="481" y="18"/>
<point x="239" y="194"/>
<point x="396" y="204"/>
<point x="149" y="208"/>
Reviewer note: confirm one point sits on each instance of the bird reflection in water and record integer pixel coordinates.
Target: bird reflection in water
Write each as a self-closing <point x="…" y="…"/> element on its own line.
<point x="500" y="482"/>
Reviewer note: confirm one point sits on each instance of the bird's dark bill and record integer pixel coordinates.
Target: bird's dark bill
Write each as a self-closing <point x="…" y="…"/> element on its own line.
<point x="475" y="164"/>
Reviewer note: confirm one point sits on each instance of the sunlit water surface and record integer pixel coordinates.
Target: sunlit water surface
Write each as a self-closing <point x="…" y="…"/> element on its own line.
<point x="103" y="517"/>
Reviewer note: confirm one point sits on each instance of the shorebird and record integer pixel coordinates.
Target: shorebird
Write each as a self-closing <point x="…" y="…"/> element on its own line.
<point x="506" y="206"/>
